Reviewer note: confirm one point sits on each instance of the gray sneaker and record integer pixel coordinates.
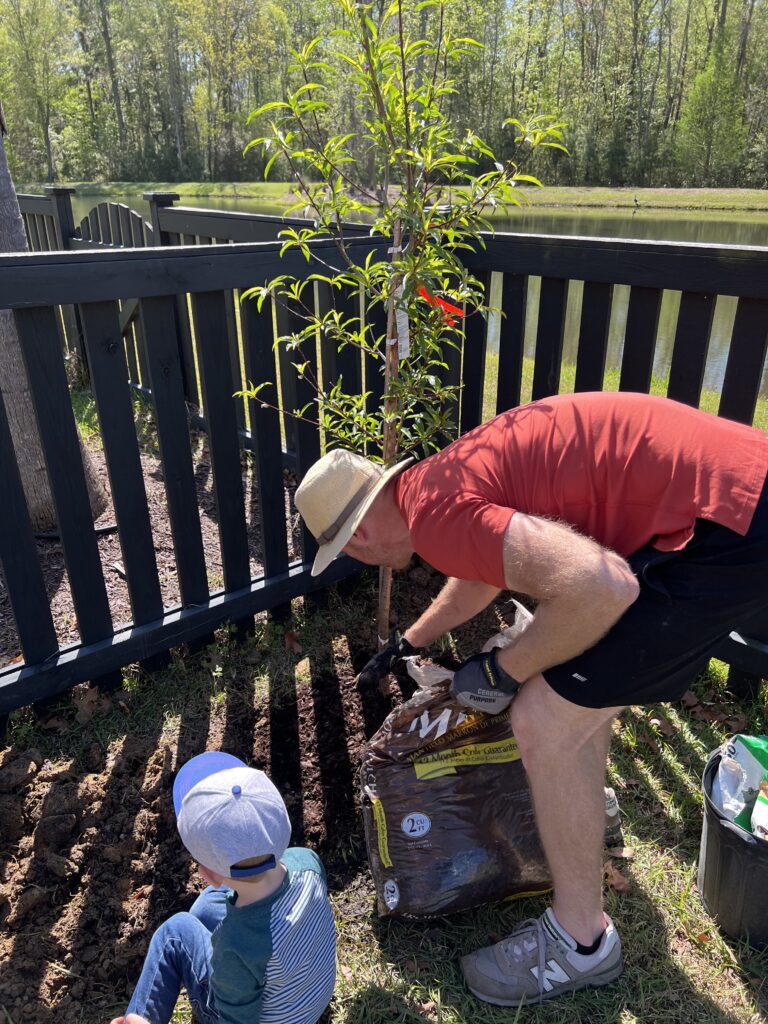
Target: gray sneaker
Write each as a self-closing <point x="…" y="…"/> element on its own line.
<point x="539" y="961"/>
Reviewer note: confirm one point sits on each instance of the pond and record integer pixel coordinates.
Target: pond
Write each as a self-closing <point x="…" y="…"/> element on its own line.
<point x="714" y="227"/>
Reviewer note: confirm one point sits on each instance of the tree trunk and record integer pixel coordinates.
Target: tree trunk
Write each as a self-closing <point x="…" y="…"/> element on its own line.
<point x="391" y="433"/>
<point x="15" y="390"/>
<point x="114" y="84"/>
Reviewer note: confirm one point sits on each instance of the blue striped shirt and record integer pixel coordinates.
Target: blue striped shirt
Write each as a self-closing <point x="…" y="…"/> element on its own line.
<point x="274" y="962"/>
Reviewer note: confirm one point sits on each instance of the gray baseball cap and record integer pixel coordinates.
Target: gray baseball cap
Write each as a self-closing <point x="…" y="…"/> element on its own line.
<point x="227" y="813"/>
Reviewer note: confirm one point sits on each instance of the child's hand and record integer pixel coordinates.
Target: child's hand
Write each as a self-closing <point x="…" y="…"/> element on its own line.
<point x="132" y="1018"/>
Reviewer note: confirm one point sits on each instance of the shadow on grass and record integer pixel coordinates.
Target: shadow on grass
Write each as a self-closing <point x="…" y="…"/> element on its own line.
<point x="375" y="1003"/>
<point x="424" y="957"/>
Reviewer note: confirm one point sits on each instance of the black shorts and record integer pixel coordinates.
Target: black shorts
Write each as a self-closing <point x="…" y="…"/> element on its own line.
<point x="689" y="602"/>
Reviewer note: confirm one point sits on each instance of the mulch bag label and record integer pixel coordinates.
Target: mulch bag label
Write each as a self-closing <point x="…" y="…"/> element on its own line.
<point x="448" y="815"/>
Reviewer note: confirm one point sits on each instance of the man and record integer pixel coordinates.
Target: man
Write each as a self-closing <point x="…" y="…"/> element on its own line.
<point x="640" y="526"/>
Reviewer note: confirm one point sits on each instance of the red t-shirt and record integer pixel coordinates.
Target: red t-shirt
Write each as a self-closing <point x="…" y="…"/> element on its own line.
<point x="625" y="469"/>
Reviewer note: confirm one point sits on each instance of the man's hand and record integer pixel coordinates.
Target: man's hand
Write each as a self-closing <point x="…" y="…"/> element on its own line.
<point x="381" y="664"/>
<point x="483" y="685"/>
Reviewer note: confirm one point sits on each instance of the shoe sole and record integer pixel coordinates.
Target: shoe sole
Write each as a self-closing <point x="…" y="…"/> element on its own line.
<point x="593" y="981"/>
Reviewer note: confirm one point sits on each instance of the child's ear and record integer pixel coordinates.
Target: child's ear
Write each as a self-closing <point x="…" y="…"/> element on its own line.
<point x="210" y="876"/>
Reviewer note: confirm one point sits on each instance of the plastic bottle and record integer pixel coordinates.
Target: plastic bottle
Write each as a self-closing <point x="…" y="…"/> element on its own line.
<point x="613" y="833"/>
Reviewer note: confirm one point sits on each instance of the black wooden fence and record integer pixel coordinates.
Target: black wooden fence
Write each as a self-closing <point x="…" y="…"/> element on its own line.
<point x="186" y="315"/>
<point x="97" y="281"/>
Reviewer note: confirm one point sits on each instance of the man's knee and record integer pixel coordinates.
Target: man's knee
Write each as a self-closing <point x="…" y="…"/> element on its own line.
<point x="528" y="715"/>
<point x="542" y="721"/>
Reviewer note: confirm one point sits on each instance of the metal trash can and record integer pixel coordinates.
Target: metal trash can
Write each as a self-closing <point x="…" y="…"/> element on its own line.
<point x="733" y="871"/>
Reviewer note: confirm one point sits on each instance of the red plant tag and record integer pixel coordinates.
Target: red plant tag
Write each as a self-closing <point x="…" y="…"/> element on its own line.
<point x="449" y="310"/>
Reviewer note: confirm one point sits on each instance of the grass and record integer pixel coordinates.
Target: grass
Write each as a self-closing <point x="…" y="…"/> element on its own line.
<point x="710" y="400"/>
<point x="679" y="968"/>
<point x="278" y="193"/>
<point x="275" y="191"/>
<point x="583" y="197"/>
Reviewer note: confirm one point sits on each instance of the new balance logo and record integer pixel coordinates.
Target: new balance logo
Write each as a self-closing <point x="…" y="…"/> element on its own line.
<point x="553" y="973"/>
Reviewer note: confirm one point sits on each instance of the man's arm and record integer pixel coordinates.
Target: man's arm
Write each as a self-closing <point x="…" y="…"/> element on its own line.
<point x="582" y="589"/>
<point x="457" y="602"/>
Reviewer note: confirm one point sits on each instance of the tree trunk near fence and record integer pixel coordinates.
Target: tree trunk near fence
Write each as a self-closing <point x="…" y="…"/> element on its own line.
<point x="15" y="389"/>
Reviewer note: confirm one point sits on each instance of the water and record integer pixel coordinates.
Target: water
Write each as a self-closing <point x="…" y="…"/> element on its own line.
<point x="707" y="227"/>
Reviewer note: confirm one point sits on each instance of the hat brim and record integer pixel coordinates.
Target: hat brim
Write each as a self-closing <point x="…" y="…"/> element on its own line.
<point x="327" y="552"/>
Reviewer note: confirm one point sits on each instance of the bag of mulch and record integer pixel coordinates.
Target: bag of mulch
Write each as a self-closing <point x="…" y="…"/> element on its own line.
<point x="446" y="806"/>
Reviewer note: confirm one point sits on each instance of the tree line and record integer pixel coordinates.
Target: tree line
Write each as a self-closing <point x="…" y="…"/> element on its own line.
<point x="654" y="92"/>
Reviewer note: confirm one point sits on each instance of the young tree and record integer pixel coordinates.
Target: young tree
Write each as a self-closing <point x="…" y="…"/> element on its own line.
<point x="13" y="381"/>
<point x="712" y="131"/>
<point x="430" y="204"/>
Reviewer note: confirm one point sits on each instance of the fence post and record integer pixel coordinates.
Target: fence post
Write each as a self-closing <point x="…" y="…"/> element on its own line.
<point x="64" y="226"/>
<point x="63" y="218"/>
<point x="158" y="200"/>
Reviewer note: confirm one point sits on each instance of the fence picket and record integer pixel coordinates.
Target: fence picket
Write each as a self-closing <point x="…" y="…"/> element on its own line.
<point x="158" y="319"/>
<point x="344" y="363"/>
<point x="34" y="232"/>
<point x="640" y="339"/>
<point x="210" y="321"/>
<point x="113" y="401"/>
<point x="689" y="355"/>
<point x="375" y="318"/>
<point x="514" y="293"/>
<point x="746" y="359"/>
<point x="475" y="341"/>
<point x="298" y="395"/>
<point x="265" y="432"/>
<point x="18" y="557"/>
<point x="549" y="337"/>
<point x="233" y="342"/>
<point x="593" y="336"/>
<point x="288" y="398"/>
<point x="38" y="336"/>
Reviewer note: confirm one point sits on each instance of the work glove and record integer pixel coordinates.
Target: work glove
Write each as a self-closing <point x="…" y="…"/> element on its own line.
<point x="483" y="685"/>
<point x="383" y="663"/>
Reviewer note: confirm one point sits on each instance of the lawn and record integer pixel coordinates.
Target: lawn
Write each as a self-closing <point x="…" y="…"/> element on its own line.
<point x="572" y="196"/>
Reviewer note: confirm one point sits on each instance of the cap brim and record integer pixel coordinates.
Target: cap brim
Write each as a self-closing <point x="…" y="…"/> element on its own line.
<point x="199" y="768"/>
<point x="327" y="552"/>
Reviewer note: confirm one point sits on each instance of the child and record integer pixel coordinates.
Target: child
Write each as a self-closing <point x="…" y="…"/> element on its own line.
<point x="259" y="945"/>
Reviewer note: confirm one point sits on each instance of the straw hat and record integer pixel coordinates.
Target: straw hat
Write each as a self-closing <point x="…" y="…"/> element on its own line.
<point x="334" y="496"/>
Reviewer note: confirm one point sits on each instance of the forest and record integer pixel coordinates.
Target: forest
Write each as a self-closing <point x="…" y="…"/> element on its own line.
<point x="653" y="92"/>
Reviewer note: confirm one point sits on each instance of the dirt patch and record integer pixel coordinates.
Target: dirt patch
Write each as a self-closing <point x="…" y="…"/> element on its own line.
<point x="90" y="862"/>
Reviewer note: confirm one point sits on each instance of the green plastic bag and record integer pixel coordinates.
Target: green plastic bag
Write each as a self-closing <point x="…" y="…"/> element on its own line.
<point x="743" y="766"/>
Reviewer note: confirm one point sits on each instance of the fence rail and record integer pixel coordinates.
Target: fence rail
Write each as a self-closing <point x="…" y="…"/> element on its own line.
<point x="167" y="319"/>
